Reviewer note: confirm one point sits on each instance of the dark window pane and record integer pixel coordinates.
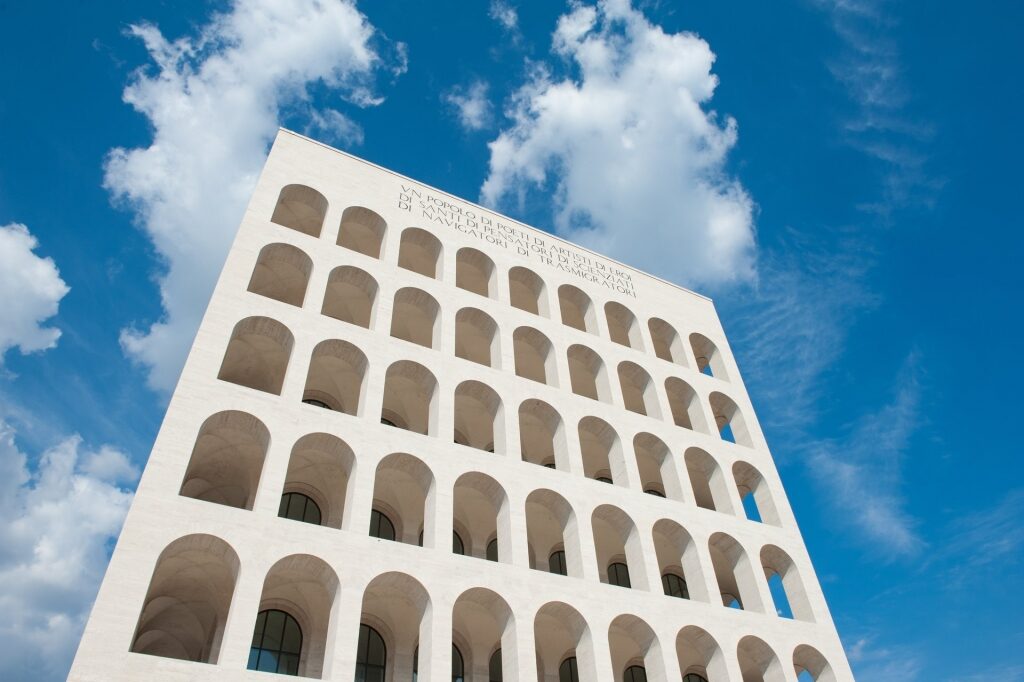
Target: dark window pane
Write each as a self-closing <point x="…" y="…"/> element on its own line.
<point x="567" y="672"/>
<point x="694" y="677"/>
<point x="635" y="673"/>
<point x="381" y="526"/>
<point x="618" y="574"/>
<point x="494" y="667"/>
<point x="604" y="479"/>
<point x="457" y="546"/>
<point x="556" y="563"/>
<point x="675" y="586"/>
<point x="656" y="493"/>
<point x="277" y="643"/>
<point x="492" y="550"/>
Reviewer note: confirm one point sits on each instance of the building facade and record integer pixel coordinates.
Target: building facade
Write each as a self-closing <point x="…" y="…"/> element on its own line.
<point x="416" y="439"/>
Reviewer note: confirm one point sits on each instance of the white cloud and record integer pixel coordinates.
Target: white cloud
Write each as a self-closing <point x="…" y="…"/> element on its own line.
<point x="333" y="126"/>
<point x="31" y="290"/>
<point x="636" y="162"/>
<point x="214" y="102"/>
<point x="505" y="14"/>
<point x="471" y="105"/>
<point x="873" y="661"/>
<point x="57" y="520"/>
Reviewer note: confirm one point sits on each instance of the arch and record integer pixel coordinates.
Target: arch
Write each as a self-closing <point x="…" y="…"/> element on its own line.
<point x="708" y="357"/>
<point x="403" y="488"/>
<point x="551" y="525"/>
<point x="734" y="573"/>
<point x="685" y="407"/>
<point x="633" y="644"/>
<point x="476" y="337"/>
<point x="300" y="208"/>
<point x="410" y="397"/>
<point x="755" y="494"/>
<point x="677" y="554"/>
<point x="587" y="374"/>
<point x="362" y="230"/>
<point x="227" y="460"/>
<point x="281" y="273"/>
<point x="257" y="354"/>
<point x="638" y="393"/>
<point x="707" y="481"/>
<point x="542" y="435"/>
<point x="415" y="317"/>
<point x="561" y="633"/>
<point x="656" y="466"/>
<point x="665" y="339"/>
<point x="420" y="252"/>
<point x="527" y="291"/>
<point x="616" y="540"/>
<point x="601" y="451"/>
<point x="337" y="371"/>
<point x="807" y="659"/>
<point x="483" y="623"/>
<point x="351" y="296"/>
<point x="791" y="598"/>
<point x="474" y="272"/>
<point x="188" y="599"/>
<point x="699" y="654"/>
<point x="320" y="466"/>
<point x="577" y="309"/>
<point x="729" y="419"/>
<point x="305" y="588"/>
<point x="398" y="607"/>
<point x="479" y="417"/>
<point x="623" y="328"/>
<point x="534" y="356"/>
<point x="481" y="511"/>
<point x="758" y="663"/>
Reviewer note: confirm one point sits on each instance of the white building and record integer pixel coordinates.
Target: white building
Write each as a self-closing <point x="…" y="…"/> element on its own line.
<point x="591" y="408"/>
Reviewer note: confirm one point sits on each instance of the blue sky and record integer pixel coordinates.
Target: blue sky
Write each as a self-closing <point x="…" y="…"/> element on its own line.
<point x="855" y="159"/>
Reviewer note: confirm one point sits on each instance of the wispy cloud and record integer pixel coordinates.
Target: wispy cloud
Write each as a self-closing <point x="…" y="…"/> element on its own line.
<point x="870" y="69"/>
<point x="863" y="471"/>
<point x="986" y="541"/>
<point x="505" y="14"/>
<point x="887" y="663"/>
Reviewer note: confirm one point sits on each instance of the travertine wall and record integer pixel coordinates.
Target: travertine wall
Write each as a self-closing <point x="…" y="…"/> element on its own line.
<point x="217" y="558"/>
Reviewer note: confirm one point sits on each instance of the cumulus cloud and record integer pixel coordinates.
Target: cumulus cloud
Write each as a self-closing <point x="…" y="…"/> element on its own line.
<point x="470" y="105"/>
<point x="31" y="290"/>
<point x="214" y="100"/>
<point x="57" y="520"/>
<point x="636" y="161"/>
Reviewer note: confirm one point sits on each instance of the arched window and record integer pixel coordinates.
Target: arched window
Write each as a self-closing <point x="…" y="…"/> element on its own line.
<point x="556" y="563"/>
<point x="675" y="586"/>
<point x="458" y="665"/>
<point x="568" y="671"/>
<point x="618" y="574"/>
<point x="281" y="273"/>
<point x="655" y="492"/>
<point x="300" y="508"/>
<point x="694" y="677"/>
<point x="635" y="673"/>
<point x="371" y="656"/>
<point x="492" y="550"/>
<point x="300" y="208"/>
<point x="276" y="643"/>
<point x="494" y="667"/>
<point x="457" y="545"/>
<point x="362" y="230"/>
<point x="381" y="526"/>
<point x="604" y="479"/>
